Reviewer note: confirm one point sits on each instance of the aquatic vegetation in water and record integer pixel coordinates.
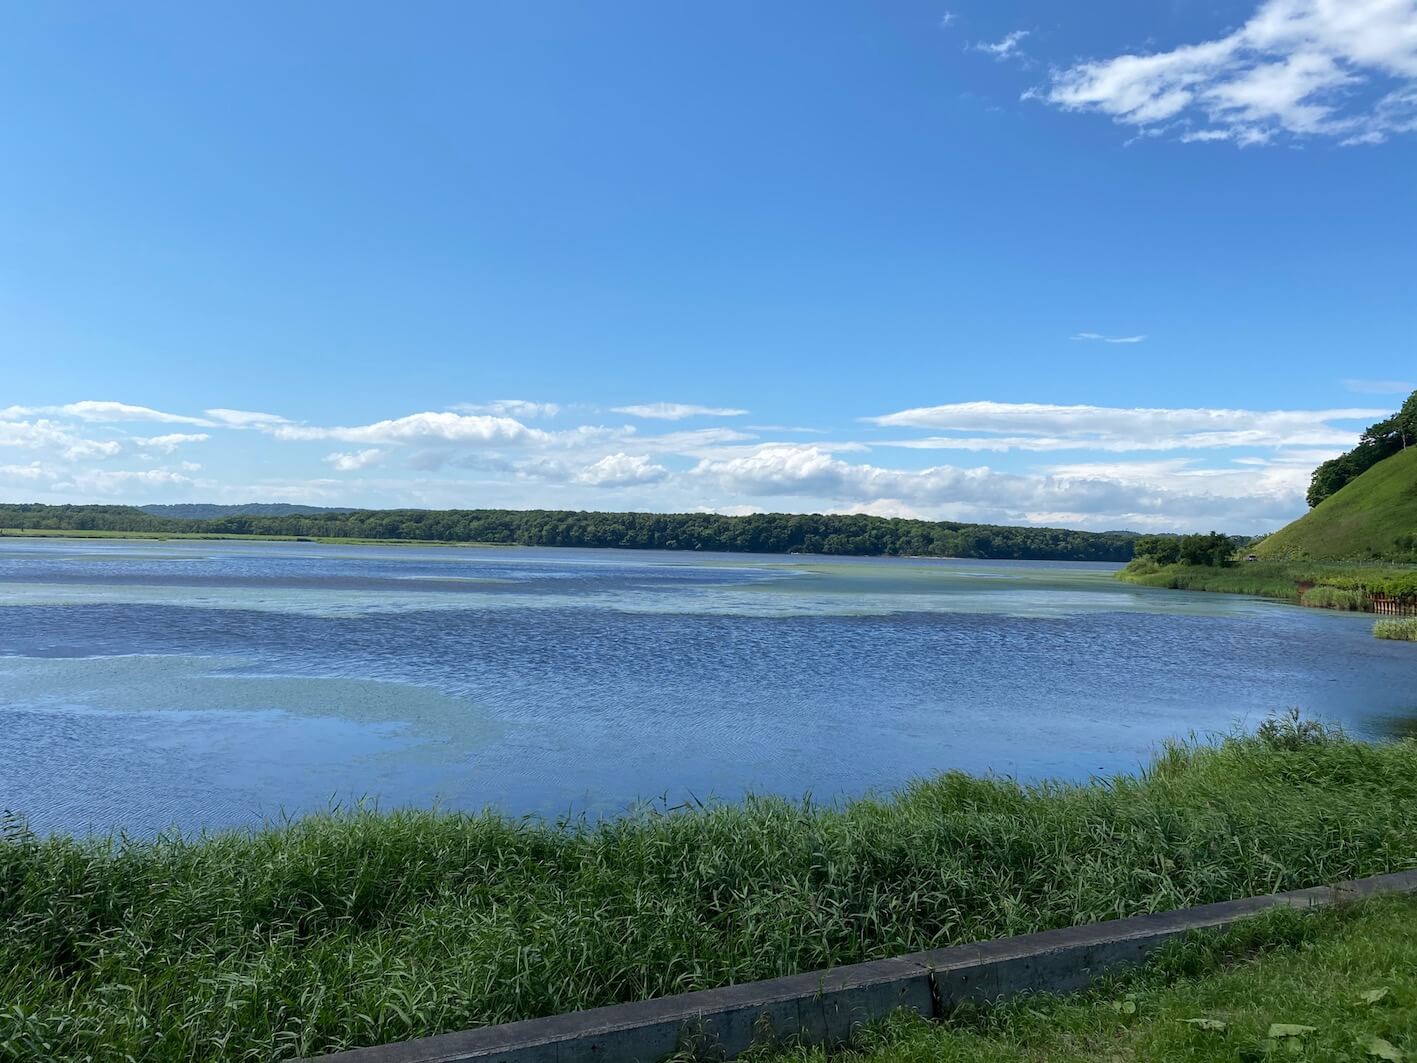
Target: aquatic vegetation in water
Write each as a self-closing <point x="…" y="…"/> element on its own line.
<point x="1403" y="629"/>
<point x="1323" y="597"/>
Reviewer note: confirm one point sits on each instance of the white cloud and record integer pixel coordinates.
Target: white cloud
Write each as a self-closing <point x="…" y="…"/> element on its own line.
<point x="83" y="484"/>
<point x="518" y="408"/>
<point x="1345" y="69"/>
<point x="428" y="427"/>
<point x="244" y="418"/>
<point x="691" y="441"/>
<point x="359" y="459"/>
<point x="83" y="449"/>
<point x="446" y="457"/>
<point x="1380" y="387"/>
<point x="621" y="470"/>
<point x="170" y="442"/>
<point x="34" y="434"/>
<point x="45" y="434"/>
<point x="114" y="481"/>
<point x="947" y="20"/>
<point x="1097" y="336"/>
<point x="883" y="507"/>
<point x="33" y="471"/>
<point x="1037" y="426"/>
<point x="1173" y="495"/>
<point x="110" y="412"/>
<point x="1322" y="436"/>
<point x="1007" y="48"/>
<point x="676" y="411"/>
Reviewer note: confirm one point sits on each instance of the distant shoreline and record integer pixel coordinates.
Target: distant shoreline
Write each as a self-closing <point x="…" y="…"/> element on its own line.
<point x="824" y="534"/>
<point x="335" y="540"/>
<point x="329" y="540"/>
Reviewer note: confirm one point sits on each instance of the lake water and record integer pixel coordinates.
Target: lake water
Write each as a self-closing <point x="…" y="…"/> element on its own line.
<point x="213" y="684"/>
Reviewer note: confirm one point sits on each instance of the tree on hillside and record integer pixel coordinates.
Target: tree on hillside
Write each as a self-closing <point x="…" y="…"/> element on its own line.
<point x="1378" y="441"/>
<point x="1407" y="421"/>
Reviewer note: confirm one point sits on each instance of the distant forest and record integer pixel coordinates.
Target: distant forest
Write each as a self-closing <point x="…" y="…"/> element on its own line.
<point x="209" y="511"/>
<point x="772" y="533"/>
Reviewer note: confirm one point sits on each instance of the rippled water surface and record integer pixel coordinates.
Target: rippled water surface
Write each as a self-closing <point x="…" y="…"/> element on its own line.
<point x="210" y="684"/>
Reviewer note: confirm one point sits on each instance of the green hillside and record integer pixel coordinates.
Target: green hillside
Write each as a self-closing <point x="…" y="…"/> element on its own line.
<point x="1373" y="516"/>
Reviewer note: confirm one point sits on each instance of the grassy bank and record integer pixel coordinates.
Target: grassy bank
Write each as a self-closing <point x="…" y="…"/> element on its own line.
<point x="1333" y="984"/>
<point x="1325" y="585"/>
<point x="1373" y="516"/>
<point x="360" y="928"/>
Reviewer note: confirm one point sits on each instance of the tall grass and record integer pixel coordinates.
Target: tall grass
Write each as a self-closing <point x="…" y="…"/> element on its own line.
<point x="366" y="927"/>
<point x="1325" y="581"/>
<point x="1404" y="629"/>
<point x="1354" y="601"/>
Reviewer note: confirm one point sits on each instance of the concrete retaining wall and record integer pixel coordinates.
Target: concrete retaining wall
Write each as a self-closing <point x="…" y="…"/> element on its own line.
<point x="827" y="1006"/>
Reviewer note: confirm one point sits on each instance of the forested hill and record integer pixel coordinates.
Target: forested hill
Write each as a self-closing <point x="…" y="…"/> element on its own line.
<point x="759" y="533"/>
<point x="208" y="511"/>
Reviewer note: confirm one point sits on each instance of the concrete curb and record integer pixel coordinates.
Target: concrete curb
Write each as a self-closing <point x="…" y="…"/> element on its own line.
<point x="827" y="1006"/>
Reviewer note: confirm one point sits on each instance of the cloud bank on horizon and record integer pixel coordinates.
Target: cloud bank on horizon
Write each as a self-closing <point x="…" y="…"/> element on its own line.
<point x="1141" y="468"/>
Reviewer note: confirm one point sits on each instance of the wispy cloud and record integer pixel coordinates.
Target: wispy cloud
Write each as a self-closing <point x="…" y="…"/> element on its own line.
<point x="948" y="19"/>
<point x="169" y="443"/>
<point x="1380" y="387"/>
<point x="441" y="426"/>
<point x="519" y="408"/>
<point x="244" y="418"/>
<point x="1044" y="427"/>
<point x="105" y="412"/>
<point x="1098" y="337"/>
<point x="676" y="411"/>
<point x="352" y="460"/>
<point x="1007" y="48"/>
<point x="1342" y="69"/>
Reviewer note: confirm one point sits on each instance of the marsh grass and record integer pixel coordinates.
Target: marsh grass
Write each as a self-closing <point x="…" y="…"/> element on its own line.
<point x="1404" y="629"/>
<point x="1343" y="979"/>
<point x="1329" y="585"/>
<point x="363" y="927"/>
<point x="1322" y="597"/>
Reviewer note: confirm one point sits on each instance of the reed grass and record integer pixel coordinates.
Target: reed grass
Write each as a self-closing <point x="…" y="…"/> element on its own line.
<point x="362" y="927"/>
<point x="1403" y="629"/>
<point x="1322" y="597"/>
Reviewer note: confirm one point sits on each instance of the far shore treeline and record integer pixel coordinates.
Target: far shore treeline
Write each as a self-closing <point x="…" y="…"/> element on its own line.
<point x="757" y="533"/>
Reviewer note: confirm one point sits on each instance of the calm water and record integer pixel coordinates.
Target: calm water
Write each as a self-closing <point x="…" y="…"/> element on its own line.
<point x="146" y="684"/>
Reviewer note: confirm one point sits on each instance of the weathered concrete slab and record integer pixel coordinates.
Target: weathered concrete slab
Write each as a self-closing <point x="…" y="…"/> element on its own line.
<point x="827" y="1006"/>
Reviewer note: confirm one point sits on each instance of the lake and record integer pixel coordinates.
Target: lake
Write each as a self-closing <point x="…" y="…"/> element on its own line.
<point x="198" y="684"/>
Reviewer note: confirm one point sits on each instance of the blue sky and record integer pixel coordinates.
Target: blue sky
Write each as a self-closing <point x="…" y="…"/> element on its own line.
<point x="542" y="254"/>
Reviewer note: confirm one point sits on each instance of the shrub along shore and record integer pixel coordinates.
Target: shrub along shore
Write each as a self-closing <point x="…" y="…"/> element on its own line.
<point x="366" y="927"/>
